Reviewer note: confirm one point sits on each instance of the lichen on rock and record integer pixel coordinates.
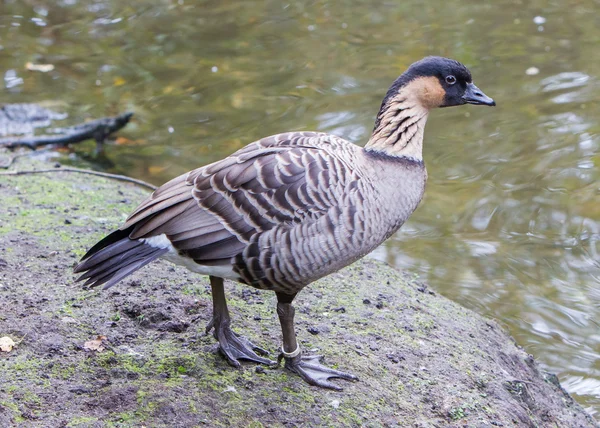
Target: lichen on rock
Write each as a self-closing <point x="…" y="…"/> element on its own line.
<point x="422" y="360"/>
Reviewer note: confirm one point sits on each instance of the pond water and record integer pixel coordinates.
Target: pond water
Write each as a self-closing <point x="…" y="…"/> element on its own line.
<point x="510" y="225"/>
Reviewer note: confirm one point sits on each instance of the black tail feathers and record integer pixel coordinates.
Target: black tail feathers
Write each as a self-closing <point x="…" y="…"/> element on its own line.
<point x="114" y="258"/>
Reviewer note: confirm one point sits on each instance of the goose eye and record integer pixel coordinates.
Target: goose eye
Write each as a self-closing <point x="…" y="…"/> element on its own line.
<point x="451" y="80"/>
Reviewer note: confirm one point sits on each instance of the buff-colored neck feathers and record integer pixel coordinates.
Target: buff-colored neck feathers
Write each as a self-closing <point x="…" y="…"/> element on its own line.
<point x="401" y="121"/>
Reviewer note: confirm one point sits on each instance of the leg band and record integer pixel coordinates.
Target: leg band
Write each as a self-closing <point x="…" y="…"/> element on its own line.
<point x="290" y="354"/>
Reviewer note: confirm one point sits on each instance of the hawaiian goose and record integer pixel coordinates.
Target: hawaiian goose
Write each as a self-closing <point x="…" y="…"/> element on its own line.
<point x="289" y="209"/>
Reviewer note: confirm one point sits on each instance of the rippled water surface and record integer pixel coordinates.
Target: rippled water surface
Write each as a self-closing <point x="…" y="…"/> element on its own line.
<point x="510" y="225"/>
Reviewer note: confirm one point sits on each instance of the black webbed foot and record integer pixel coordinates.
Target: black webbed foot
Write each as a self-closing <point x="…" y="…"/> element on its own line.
<point x="235" y="347"/>
<point x="232" y="346"/>
<point x="313" y="372"/>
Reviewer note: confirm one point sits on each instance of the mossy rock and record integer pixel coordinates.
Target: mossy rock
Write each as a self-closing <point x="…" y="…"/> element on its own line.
<point x="422" y="360"/>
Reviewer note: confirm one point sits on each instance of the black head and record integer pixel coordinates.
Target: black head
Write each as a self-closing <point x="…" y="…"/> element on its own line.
<point x="440" y="82"/>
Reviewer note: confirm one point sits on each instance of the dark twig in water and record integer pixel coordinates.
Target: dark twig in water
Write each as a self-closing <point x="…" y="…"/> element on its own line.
<point x="83" y="171"/>
<point x="98" y="130"/>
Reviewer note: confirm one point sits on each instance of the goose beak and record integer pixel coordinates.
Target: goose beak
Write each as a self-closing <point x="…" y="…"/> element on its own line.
<point x="474" y="95"/>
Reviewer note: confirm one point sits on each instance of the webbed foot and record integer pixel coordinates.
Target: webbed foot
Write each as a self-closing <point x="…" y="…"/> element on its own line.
<point x="232" y="346"/>
<point x="313" y="372"/>
<point x="235" y="347"/>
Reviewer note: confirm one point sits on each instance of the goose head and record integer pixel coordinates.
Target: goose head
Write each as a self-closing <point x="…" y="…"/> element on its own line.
<point x="430" y="83"/>
<point x="438" y="82"/>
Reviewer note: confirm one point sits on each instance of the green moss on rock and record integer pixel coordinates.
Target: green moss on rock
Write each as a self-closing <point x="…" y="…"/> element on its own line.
<point x="422" y="360"/>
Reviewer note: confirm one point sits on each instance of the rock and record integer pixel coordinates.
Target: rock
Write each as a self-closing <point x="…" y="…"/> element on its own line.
<point x="422" y="360"/>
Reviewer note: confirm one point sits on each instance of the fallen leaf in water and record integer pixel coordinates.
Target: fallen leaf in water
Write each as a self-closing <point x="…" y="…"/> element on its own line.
<point x="95" y="345"/>
<point x="119" y="81"/>
<point x="154" y="170"/>
<point x="238" y="100"/>
<point x="44" y="68"/>
<point x="6" y="344"/>
<point x="123" y="141"/>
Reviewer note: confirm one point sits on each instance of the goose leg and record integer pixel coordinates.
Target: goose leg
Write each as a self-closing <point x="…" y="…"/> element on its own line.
<point x="232" y="346"/>
<point x="309" y="367"/>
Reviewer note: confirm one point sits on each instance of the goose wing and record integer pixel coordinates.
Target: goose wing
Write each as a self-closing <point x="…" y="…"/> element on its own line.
<point x="211" y="214"/>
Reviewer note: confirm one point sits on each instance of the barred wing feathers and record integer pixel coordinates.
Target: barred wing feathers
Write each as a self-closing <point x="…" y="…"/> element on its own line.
<point x="282" y="210"/>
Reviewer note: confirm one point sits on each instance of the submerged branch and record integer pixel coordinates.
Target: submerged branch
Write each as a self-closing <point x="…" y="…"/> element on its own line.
<point x="98" y="130"/>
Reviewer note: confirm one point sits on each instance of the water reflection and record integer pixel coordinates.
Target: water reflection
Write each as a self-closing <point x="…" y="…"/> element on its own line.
<point x="510" y="223"/>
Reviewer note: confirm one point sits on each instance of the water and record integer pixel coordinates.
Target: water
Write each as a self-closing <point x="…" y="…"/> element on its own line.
<point x="510" y="223"/>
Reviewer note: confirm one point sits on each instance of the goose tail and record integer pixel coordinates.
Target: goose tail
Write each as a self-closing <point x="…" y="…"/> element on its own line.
<point x="114" y="258"/>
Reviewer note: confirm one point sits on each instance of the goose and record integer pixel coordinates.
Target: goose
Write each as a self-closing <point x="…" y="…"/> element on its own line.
<point x="287" y="210"/>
